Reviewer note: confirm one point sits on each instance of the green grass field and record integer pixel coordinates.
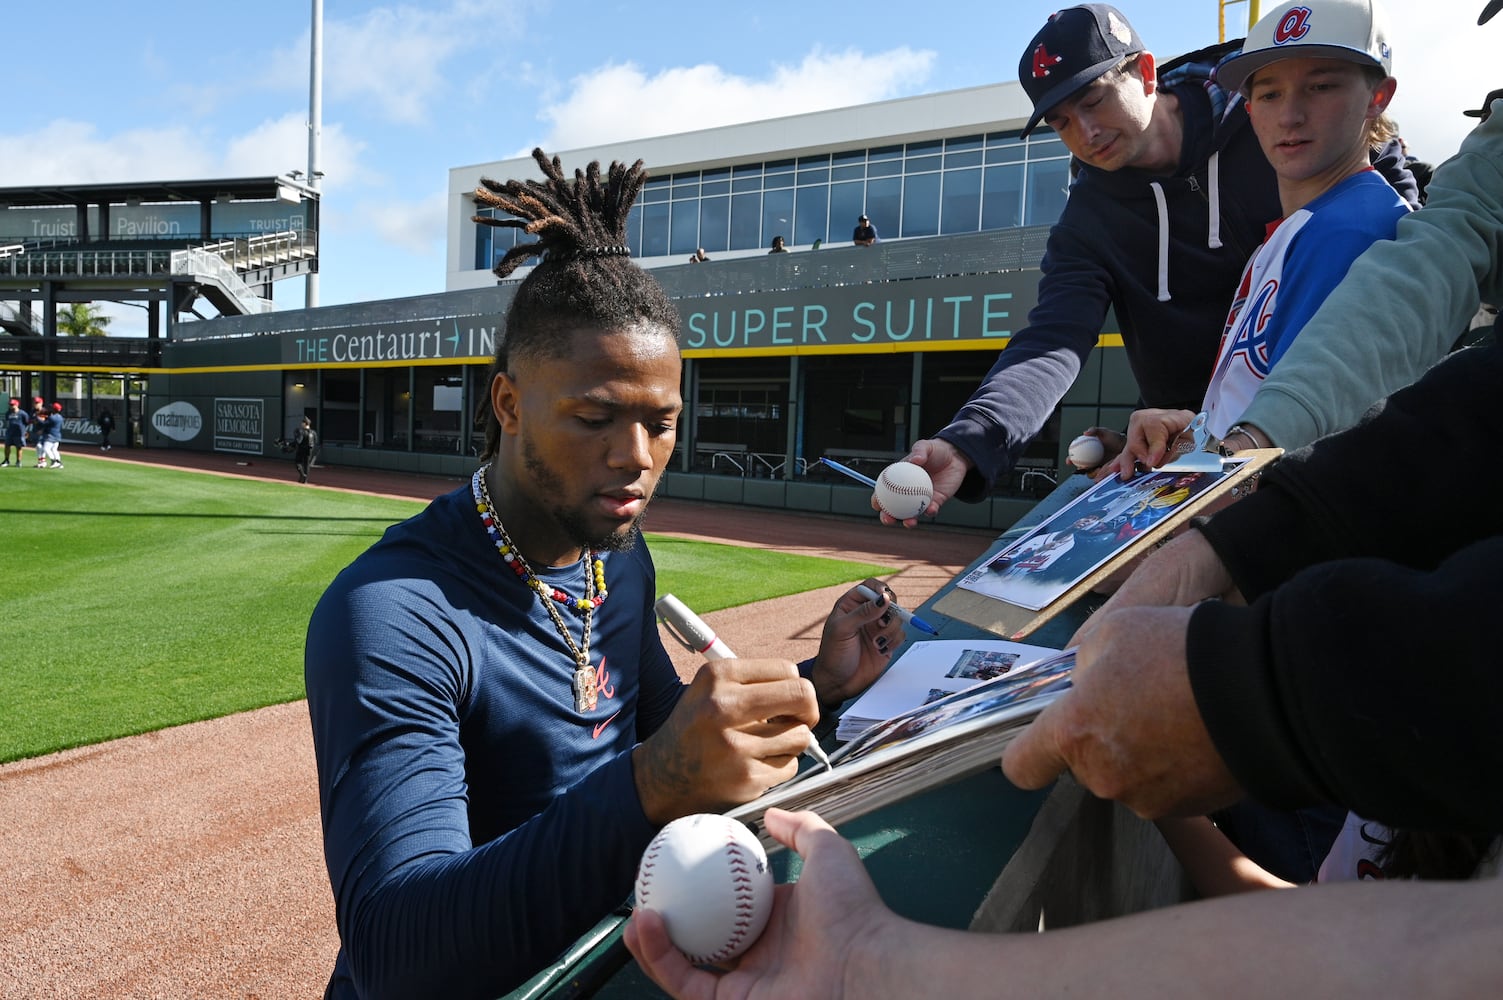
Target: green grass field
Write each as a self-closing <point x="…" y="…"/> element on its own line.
<point x="144" y="597"/>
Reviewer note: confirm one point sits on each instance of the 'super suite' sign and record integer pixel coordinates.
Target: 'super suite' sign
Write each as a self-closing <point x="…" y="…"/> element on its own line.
<point x="914" y="313"/>
<point x="983" y="309"/>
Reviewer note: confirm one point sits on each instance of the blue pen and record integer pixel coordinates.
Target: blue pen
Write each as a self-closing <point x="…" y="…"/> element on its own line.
<point x="908" y="617"/>
<point x="848" y="471"/>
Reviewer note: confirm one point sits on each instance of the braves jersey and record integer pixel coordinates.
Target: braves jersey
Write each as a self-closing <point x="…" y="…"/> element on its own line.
<point x="1302" y="259"/>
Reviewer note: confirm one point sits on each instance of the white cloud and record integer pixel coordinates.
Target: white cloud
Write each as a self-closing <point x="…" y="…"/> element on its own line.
<point x="71" y="152"/>
<point x="619" y="101"/>
<point x="392" y="61"/>
<point x="414" y="226"/>
<point x="1444" y="63"/>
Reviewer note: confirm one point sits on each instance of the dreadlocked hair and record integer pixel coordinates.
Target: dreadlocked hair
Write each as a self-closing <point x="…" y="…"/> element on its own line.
<point x="584" y="278"/>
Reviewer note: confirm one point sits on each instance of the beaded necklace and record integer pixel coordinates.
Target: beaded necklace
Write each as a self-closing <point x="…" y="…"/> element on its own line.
<point x="585" y="688"/>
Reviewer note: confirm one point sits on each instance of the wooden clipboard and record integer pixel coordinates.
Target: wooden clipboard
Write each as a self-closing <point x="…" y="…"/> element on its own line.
<point x="1013" y="621"/>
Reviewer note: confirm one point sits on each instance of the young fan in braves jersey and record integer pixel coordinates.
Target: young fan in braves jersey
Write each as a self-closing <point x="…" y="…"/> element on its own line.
<point x="1316" y="78"/>
<point x="498" y="730"/>
<point x="1171" y="195"/>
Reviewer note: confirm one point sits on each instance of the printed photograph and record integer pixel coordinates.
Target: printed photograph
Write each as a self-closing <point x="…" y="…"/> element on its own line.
<point x="982" y="664"/>
<point x="1066" y="548"/>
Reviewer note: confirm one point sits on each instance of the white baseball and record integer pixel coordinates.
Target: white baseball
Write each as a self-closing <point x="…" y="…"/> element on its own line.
<point x="1086" y="452"/>
<point x="904" y="490"/>
<point x="707" y="876"/>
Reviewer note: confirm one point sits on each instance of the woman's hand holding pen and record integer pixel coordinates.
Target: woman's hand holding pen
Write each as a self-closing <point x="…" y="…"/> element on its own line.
<point x="859" y="637"/>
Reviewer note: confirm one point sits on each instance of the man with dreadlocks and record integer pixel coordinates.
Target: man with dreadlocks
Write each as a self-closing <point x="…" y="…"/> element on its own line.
<point x="499" y="731"/>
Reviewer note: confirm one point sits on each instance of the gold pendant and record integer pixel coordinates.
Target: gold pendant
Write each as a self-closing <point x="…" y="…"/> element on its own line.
<point x="585" y="689"/>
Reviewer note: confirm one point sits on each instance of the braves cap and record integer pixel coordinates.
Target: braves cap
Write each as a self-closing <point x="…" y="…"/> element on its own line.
<point x="58" y="407"/>
<point x="1487" y="102"/>
<point x="1073" y="48"/>
<point x="1351" y="30"/>
<point x="14" y="401"/>
<point x="1487" y="12"/>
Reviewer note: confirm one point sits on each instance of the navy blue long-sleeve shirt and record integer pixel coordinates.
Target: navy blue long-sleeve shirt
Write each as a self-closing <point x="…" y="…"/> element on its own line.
<point x="474" y="823"/>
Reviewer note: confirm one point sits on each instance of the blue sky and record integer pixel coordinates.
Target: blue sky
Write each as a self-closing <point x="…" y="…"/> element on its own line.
<point x="110" y="91"/>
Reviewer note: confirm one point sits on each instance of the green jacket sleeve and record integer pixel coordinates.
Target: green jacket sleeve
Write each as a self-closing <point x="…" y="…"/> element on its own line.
<point x="1400" y="308"/>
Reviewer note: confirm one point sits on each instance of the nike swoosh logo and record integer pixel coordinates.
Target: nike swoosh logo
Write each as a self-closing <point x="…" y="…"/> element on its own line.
<point x="600" y="728"/>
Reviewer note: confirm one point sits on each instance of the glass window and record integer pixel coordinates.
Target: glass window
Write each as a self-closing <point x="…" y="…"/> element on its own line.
<point x="962" y="143"/>
<point x="1048" y="186"/>
<point x="747" y="177"/>
<point x="851" y="173"/>
<point x="714" y="187"/>
<point x="820" y="160"/>
<point x="884" y="168"/>
<point x="778" y="173"/>
<point x="884" y="153"/>
<point x="714" y="223"/>
<point x="971" y="158"/>
<point x="920" y="205"/>
<point x="746" y="221"/>
<point x="685" y="227"/>
<point x="686" y="185"/>
<point x="920" y="164"/>
<point x="1011" y="151"/>
<point x="656" y="189"/>
<point x="925" y="148"/>
<point x="777" y="212"/>
<point x="482" y="246"/>
<point x="847" y="202"/>
<point x="718" y="174"/>
<point x="884" y="203"/>
<point x="810" y="221"/>
<point x="850" y="157"/>
<point x="634" y="230"/>
<point x="1002" y="197"/>
<point x="960" y="211"/>
<point x="1045" y="143"/>
<point x="817" y="176"/>
<point x="655" y="230"/>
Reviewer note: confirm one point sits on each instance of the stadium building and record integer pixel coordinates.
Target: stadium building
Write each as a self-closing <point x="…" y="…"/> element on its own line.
<point x="832" y="349"/>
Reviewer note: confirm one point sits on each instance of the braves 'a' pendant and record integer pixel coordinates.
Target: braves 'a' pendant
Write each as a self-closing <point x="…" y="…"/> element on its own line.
<point x="585" y="689"/>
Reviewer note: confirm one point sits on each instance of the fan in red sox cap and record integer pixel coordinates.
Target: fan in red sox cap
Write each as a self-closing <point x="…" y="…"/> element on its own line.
<point x="1073" y="48"/>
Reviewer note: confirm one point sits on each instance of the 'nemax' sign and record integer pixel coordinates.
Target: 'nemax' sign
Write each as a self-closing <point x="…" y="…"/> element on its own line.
<point x="916" y="313"/>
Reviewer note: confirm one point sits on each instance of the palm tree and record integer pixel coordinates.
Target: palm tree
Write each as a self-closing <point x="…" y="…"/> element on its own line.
<point x="82" y="319"/>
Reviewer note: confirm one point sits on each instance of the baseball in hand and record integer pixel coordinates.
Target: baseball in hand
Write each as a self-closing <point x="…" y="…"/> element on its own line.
<point x="707" y="876"/>
<point x="904" y="490"/>
<point x="1086" y="452"/>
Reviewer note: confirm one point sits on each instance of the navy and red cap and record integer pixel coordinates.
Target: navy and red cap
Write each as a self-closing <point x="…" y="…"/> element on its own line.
<point x="1071" y="51"/>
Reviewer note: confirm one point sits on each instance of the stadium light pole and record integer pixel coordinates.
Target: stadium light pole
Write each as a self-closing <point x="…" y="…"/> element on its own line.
<point x="315" y="134"/>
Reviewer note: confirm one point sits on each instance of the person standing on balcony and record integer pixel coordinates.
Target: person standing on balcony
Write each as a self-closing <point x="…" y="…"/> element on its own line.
<point x="865" y="234"/>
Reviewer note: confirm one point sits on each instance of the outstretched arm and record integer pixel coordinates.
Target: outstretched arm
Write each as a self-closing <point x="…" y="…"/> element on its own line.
<point x="830" y="936"/>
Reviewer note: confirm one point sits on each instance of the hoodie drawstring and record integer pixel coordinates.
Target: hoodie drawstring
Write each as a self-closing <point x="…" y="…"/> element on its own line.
<point x="1213" y="221"/>
<point x="1213" y="193"/>
<point x="1158" y="197"/>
